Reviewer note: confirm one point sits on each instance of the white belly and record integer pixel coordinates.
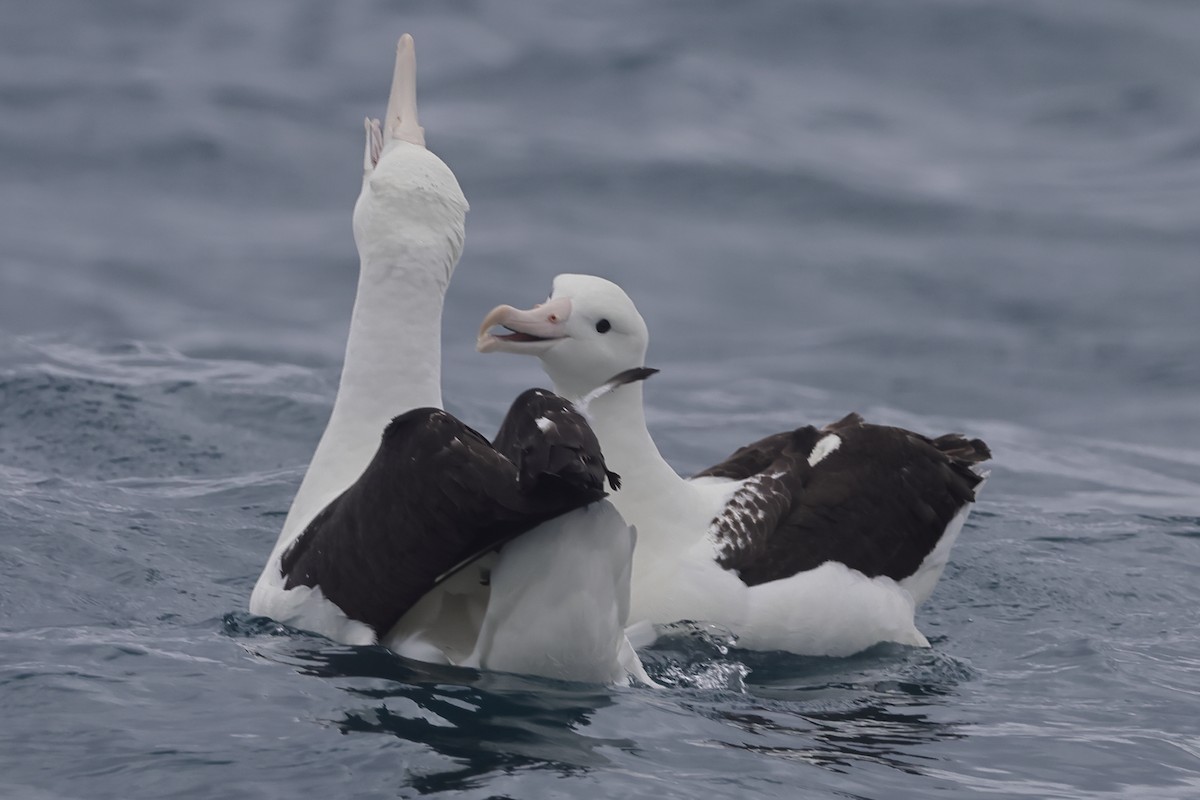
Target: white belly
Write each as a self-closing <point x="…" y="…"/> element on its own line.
<point x="828" y="611"/>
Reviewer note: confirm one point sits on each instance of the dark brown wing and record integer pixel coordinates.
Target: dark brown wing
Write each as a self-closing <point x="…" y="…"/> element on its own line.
<point x="755" y="458"/>
<point x="878" y="502"/>
<point x="435" y="495"/>
<point x="550" y="442"/>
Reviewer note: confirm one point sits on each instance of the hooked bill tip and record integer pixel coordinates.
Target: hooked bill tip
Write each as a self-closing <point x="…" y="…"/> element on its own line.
<point x="492" y="319"/>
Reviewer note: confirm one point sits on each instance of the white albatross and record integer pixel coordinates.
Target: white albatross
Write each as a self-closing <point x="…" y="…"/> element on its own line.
<point x="393" y="535"/>
<point x="819" y="541"/>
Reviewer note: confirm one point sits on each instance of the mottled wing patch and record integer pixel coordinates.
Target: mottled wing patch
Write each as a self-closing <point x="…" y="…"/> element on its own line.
<point x="756" y="508"/>
<point x="872" y="497"/>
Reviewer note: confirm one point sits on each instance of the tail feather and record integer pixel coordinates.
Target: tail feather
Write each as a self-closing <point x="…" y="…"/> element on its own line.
<point x="960" y="448"/>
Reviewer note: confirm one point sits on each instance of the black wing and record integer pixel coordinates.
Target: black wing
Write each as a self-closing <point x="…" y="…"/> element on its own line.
<point x="557" y="458"/>
<point x="754" y="458"/>
<point x="878" y="502"/>
<point x="552" y="446"/>
<point x="435" y="493"/>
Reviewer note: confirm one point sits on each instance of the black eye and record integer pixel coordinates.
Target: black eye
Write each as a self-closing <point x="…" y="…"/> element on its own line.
<point x="603" y="326"/>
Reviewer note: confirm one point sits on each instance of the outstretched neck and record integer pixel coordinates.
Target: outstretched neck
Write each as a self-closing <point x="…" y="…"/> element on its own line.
<point x="392" y="365"/>
<point x="408" y="225"/>
<point x="393" y="353"/>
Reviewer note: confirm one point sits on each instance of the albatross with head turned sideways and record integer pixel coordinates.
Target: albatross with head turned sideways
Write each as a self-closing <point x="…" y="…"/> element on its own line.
<point x="819" y="541"/>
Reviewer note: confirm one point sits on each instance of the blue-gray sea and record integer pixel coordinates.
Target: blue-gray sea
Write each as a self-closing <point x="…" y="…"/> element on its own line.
<point x="969" y="215"/>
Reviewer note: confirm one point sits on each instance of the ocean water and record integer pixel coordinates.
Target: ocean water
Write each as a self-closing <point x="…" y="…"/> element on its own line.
<point x="972" y="215"/>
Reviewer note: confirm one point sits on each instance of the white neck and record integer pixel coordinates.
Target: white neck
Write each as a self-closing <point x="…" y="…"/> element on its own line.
<point x="619" y="420"/>
<point x="392" y="365"/>
<point x="394" y="352"/>
<point x="408" y="226"/>
<point x="651" y="491"/>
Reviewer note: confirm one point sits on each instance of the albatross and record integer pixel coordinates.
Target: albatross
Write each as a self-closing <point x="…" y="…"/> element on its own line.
<point x="818" y="540"/>
<point x="412" y="530"/>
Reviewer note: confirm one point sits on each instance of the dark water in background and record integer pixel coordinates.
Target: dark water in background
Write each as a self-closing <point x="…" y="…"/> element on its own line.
<point x="979" y="215"/>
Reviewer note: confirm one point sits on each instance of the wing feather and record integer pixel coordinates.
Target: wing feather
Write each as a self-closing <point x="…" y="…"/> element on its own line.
<point x="435" y="497"/>
<point x="878" y="500"/>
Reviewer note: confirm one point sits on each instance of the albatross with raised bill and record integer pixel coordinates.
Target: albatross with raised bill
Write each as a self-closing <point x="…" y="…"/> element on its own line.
<point x="410" y="529"/>
<point x="819" y="541"/>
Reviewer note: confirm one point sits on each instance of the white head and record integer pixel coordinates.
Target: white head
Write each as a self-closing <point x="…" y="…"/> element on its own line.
<point x="410" y="213"/>
<point x="585" y="333"/>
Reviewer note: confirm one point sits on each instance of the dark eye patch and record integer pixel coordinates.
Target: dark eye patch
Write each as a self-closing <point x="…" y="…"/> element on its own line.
<point x="603" y="326"/>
